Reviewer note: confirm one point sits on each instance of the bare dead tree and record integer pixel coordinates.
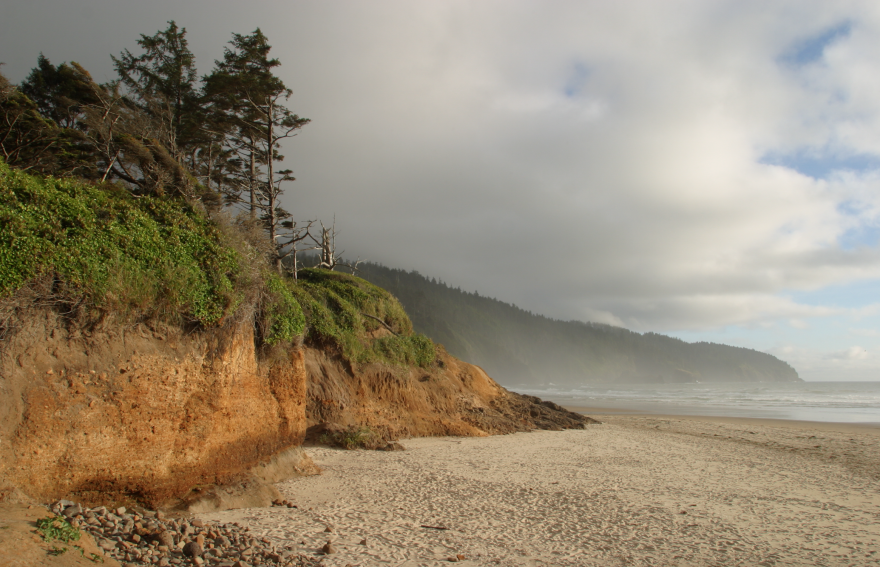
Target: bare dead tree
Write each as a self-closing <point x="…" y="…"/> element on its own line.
<point x="291" y="247"/>
<point x="330" y="259"/>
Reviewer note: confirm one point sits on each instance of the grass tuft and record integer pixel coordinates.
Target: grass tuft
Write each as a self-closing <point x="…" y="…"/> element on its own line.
<point x="351" y="438"/>
<point x="57" y="528"/>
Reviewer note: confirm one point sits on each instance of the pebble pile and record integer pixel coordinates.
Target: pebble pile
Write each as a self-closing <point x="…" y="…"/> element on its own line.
<point x="144" y="537"/>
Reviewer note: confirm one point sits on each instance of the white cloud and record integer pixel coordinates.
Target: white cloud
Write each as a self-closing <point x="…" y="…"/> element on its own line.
<point x="589" y="160"/>
<point x="852" y="353"/>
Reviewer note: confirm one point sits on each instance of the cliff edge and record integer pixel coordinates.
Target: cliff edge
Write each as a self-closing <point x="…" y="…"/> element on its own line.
<point x="149" y="353"/>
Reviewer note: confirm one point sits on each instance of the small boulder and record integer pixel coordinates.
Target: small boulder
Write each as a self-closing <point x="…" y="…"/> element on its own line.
<point x="71" y="511"/>
<point x="328" y="548"/>
<point x="193" y="549"/>
<point x="166" y="538"/>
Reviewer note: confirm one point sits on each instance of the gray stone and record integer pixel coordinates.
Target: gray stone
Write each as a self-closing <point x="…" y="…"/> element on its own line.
<point x="71" y="511"/>
<point x="193" y="549"/>
<point x="166" y="538"/>
<point x="222" y="541"/>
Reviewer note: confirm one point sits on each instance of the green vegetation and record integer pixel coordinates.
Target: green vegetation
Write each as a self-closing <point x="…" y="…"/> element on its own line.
<point x="158" y="130"/>
<point x="113" y="198"/>
<point x="351" y="438"/>
<point x="518" y="347"/>
<point x="284" y="319"/>
<point x="57" y="528"/>
<point x="161" y="258"/>
<point x="149" y="255"/>
<point x="344" y="312"/>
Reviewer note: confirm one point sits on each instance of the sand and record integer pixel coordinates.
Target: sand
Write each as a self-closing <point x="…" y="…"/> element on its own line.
<point x="635" y="490"/>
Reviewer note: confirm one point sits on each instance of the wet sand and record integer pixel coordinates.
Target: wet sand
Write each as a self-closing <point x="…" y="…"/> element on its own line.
<point x="635" y="490"/>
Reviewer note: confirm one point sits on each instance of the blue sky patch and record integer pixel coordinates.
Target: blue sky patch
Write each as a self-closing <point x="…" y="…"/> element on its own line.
<point x="810" y="50"/>
<point x="576" y="80"/>
<point x="820" y="166"/>
<point x="865" y="235"/>
<point x="850" y="295"/>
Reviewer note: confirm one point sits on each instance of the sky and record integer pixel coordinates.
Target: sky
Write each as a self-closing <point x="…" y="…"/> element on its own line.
<point x="704" y="169"/>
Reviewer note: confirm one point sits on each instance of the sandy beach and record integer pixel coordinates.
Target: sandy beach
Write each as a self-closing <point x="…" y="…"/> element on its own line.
<point x="635" y="490"/>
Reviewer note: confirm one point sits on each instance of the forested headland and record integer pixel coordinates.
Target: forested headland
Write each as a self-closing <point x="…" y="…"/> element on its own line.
<point x="519" y="347"/>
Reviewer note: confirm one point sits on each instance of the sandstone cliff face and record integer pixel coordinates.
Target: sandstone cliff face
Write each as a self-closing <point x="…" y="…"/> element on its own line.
<point x="104" y="412"/>
<point x="450" y="398"/>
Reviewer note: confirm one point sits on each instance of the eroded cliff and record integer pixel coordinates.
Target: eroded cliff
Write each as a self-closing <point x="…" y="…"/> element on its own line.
<point x="149" y="352"/>
<point x="103" y="411"/>
<point x="449" y="397"/>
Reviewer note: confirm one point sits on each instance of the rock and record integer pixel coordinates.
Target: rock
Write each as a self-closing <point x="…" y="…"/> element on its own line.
<point x="393" y="446"/>
<point x="106" y="544"/>
<point x="166" y="538"/>
<point x="328" y="548"/>
<point x="120" y="511"/>
<point x="198" y="561"/>
<point x="160" y="515"/>
<point x="460" y="557"/>
<point x="193" y="549"/>
<point x="240" y="564"/>
<point x="71" y="511"/>
<point x="164" y="562"/>
<point x="328" y="529"/>
<point x="197" y="523"/>
<point x="363" y="542"/>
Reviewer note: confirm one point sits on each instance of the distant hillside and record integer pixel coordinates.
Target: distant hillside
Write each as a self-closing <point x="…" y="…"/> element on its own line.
<point x="518" y="347"/>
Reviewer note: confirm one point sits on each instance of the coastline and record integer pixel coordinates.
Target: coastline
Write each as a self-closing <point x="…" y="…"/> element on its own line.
<point x="634" y="490"/>
<point x="843" y="427"/>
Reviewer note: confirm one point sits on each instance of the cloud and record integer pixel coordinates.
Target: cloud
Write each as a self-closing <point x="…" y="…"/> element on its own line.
<point x="852" y="353"/>
<point x="668" y="166"/>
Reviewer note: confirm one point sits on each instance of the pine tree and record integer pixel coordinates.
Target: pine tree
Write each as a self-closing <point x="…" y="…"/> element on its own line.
<point x="244" y="90"/>
<point x="162" y="83"/>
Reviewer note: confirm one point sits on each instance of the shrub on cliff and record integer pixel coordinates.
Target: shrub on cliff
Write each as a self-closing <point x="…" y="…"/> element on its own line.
<point x="117" y="251"/>
<point x="352" y="315"/>
<point x="150" y="257"/>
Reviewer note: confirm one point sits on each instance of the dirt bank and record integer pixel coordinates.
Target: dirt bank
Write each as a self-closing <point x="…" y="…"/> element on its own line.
<point x="96" y="411"/>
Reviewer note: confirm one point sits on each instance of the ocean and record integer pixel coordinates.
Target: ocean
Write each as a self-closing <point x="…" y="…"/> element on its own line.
<point x="840" y="402"/>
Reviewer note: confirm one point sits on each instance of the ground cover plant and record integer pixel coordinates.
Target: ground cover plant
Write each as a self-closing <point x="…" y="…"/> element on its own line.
<point x="121" y="252"/>
<point x="352" y="315"/>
